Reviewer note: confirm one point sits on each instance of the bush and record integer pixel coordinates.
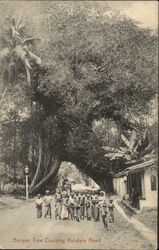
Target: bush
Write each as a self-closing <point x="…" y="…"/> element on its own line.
<point x="10" y="188"/>
<point x="19" y="190"/>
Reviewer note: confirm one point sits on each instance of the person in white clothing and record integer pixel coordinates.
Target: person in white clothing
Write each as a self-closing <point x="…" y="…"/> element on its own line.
<point x="102" y="198"/>
<point x="39" y="203"/>
<point x="64" y="210"/>
<point x="71" y="206"/>
<point x="47" y="200"/>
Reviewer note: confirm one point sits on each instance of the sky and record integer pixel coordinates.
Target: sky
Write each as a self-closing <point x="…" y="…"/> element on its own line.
<point x="145" y="12"/>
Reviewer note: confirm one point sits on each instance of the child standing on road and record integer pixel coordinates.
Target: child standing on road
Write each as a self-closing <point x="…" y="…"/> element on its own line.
<point x="104" y="215"/>
<point x="77" y="213"/>
<point x="58" y="204"/>
<point x="64" y="210"/>
<point x="111" y="210"/>
<point x="48" y="200"/>
<point x="83" y="212"/>
<point x="88" y="205"/>
<point x="96" y="208"/>
<point x="71" y="206"/>
<point x="39" y="203"/>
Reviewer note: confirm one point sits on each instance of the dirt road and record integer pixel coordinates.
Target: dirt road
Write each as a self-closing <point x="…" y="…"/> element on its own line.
<point x="20" y="229"/>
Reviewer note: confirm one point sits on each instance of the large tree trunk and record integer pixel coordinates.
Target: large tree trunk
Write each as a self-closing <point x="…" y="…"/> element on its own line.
<point x="47" y="167"/>
<point x="53" y="169"/>
<point x="107" y="184"/>
<point x="104" y="180"/>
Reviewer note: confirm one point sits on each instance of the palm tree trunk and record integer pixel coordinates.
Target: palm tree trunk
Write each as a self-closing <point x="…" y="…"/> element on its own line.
<point x="14" y="160"/>
<point x="38" y="170"/>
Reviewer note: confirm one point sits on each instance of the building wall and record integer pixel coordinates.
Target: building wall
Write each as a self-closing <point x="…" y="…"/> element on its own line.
<point x="119" y="185"/>
<point x="115" y="185"/>
<point x="150" y="195"/>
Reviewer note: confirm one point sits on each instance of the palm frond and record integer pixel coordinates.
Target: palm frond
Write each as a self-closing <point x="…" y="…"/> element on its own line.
<point x="19" y="25"/>
<point x="28" y="75"/>
<point x="110" y="155"/>
<point x="125" y="140"/>
<point x="113" y="156"/>
<point x="26" y="63"/>
<point x="4" y="53"/>
<point x="7" y="40"/>
<point x="35" y="58"/>
<point x="30" y="40"/>
<point x="21" y="54"/>
<point x="132" y="140"/>
<point x="111" y="149"/>
<point x="123" y="149"/>
<point x="15" y="34"/>
<point x="10" y="42"/>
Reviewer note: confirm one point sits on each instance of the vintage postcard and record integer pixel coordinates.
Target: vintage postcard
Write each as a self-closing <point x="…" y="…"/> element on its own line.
<point x="78" y="124"/>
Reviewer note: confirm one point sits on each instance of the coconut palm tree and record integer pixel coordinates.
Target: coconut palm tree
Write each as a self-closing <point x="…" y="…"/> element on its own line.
<point x="17" y="55"/>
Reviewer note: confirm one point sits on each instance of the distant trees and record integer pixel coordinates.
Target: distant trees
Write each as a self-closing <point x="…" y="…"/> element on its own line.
<point x="18" y="131"/>
<point x="71" y="172"/>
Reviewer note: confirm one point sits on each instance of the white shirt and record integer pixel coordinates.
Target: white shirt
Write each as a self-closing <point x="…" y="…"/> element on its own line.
<point x="102" y="199"/>
<point x="71" y="200"/>
<point x="39" y="201"/>
<point x="47" y="199"/>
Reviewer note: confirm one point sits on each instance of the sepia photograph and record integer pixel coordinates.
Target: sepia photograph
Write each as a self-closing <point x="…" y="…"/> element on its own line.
<point x="78" y="124"/>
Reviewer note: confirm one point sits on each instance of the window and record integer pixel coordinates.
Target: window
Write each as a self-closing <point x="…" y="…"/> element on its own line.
<point x="153" y="182"/>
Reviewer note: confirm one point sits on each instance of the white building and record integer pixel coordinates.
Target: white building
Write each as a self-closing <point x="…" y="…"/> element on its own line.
<point x="138" y="183"/>
<point x="120" y="184"/>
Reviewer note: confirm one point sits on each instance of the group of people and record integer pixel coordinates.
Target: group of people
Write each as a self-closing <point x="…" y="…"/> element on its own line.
<point x="47" y="201"/>
<point x="79" y="206"/>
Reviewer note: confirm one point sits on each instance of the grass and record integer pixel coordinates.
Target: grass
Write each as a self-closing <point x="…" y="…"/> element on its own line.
<point x="8" y="202"/>
<point x="148" y="217"/>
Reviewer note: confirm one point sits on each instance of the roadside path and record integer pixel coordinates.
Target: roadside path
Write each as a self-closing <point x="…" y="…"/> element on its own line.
<point x="149" y="234"/>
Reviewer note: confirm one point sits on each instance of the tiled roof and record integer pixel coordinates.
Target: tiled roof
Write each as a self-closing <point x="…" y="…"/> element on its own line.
<point x="135" y="168"/>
